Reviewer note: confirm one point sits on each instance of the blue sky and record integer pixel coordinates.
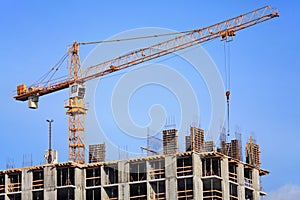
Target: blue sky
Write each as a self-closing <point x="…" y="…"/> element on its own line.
<point x="264" y="72"/>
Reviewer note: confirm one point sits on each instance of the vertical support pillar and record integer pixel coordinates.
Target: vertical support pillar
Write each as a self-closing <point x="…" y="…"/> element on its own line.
<point x="225" y="176"/>
<point x="197" y="174"/>
<point x="241" y="181"/>
<point x="50" y="175"/>
<point x="103" y="182"/>
<point x="123" y="167"/>
<point x="171" y="174"/>
<point x="79" y="183"/>
<point x="26" y="184"/>
<point x="256" y="185"/>
<point x="6" y="184"/>
<point x="149" y="189"/>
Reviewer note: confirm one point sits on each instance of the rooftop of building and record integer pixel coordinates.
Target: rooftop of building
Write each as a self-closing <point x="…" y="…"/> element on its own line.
<point x="213" y="154"/>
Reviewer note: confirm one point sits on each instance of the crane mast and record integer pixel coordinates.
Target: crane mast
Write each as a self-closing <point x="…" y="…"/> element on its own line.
<point x="76" y="109"/>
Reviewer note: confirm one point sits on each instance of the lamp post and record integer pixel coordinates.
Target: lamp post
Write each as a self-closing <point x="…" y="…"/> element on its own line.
<point x="50" y="133"/>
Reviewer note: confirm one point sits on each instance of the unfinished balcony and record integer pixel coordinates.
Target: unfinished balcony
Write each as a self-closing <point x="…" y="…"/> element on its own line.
<point x="93" y="182"/>
<point x="248" y="181"/>
<point x="38" y="184"/>
<point x="2" y="184"/>
<point x="65" y="183"/>
<point x="111" y="174"/>
<point x="232" y="171"/>
<point x="138" y="191"/>
<point x="212" y="188"/>
<point x="158" y="190"/>
<point x="14" y="182"/>
<point x="185" y="189"/>
<point x="137" y="172"/>
<point x="156" y="169"/>
<point x="233" y="191"/>
<point x="184" y="166"/>
<point x="211" y="167"/>
<point x="111" y="193"/>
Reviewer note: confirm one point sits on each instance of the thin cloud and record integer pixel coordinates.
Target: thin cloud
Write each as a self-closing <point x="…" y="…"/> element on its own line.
<point x="287" y="192"/>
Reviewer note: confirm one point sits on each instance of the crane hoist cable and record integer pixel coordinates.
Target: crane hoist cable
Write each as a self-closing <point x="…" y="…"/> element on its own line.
<point x="227" y="81"/>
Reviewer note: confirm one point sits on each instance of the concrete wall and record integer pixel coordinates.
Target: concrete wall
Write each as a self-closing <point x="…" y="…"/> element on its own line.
<point x="50" y="174"/>
<point x="26" y="184"/>
<point x="171" y="172"/>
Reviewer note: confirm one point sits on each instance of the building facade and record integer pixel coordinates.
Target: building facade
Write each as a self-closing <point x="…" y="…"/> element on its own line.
<point x="185" y="175"/>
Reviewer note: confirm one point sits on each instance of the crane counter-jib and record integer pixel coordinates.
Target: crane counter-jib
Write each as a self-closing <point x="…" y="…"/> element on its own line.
<point x="24" y="93"/>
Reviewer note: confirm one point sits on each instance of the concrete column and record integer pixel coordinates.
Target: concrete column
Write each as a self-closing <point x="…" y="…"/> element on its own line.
<point x="149" y="191"/>
<point x="171" y="174"/>
<point x="241" y="181"/>
<point x="26" y="184"/>
<point x="197" y="174"/>
<point x="103" y="175"/>
<point x="225" y="176"/>
<point x="6" y="184"/>
<point x="256" y="185"/>
<point x="148" y="168"/>
<point x="50" y="174"/>
<point x="79" y="183"/>
<point x="123" y="167"/>
<point x="103" y="182"/>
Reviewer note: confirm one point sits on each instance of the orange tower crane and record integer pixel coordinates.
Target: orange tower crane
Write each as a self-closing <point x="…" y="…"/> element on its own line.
<point x="76" y="109"/>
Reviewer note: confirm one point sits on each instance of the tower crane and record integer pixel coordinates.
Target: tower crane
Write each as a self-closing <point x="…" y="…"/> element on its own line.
<point x="76" y="109"/>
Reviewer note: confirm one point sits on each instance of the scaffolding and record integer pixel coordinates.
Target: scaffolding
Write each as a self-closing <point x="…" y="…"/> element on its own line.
<point x="209" y="146"/>
<point x="97" y="153"/>
<point x="170" y="143"/>
<point x="253" y="153"/>
<point x="233" y="149"/>
<point x="195" y="141"/>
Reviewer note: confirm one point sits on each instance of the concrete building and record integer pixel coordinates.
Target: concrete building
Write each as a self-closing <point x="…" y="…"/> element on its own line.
<point x="185" y="175"/>
<point x="202" y="172"/>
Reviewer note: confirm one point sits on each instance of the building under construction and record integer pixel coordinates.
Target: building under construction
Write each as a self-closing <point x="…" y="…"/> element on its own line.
<point x="201" y="172"/>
